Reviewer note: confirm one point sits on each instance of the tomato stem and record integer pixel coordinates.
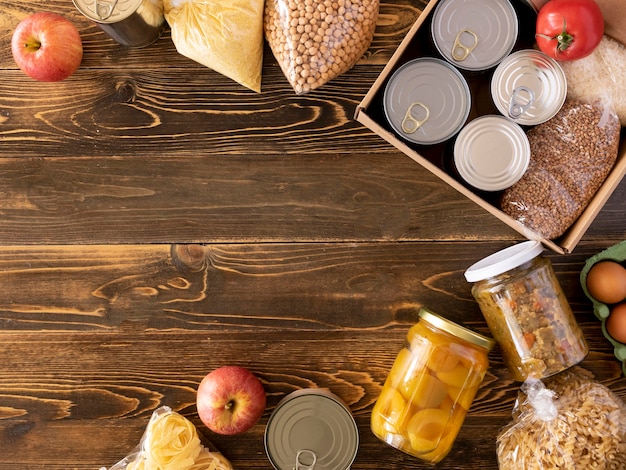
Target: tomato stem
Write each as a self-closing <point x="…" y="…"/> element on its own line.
<point x="563" y="39"/>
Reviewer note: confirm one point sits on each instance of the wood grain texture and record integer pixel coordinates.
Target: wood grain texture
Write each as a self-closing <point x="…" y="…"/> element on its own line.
<point x="158" y="220"/>
<point x="114" y="332"/>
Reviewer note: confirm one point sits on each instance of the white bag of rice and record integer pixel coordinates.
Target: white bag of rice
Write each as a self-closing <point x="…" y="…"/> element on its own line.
<point x="566" y="422"/>
<point x="224" y="35"/>
<point x="600" y="75"/>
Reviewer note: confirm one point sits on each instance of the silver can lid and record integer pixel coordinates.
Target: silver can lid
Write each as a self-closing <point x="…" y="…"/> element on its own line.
<point x="427" y="101"/>
<point x="529" y="87"/>
<point x="311" y="428"/>
<point x="474" y="34"/>
<point x="107" y="11"/>
<point x="491" y="153"/>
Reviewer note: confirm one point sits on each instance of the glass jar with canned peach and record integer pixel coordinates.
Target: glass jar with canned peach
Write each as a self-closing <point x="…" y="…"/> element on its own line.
<point x="431" y="387"/>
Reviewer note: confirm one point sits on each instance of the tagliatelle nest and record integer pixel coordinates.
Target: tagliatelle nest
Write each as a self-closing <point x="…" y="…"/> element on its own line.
<point x="571" y="422"/>
<point x="171" y="442"/>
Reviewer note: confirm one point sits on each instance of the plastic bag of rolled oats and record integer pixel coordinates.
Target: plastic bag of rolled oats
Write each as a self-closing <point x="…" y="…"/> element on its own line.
<point x="315" y="41"/>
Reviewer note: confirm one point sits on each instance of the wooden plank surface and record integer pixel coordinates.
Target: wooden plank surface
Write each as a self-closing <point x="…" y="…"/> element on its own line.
<point x="158" y="220"/>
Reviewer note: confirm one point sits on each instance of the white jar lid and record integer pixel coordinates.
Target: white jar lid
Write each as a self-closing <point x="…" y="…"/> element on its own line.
<point x="503" y="261"/>
<point x="491" y="153"/>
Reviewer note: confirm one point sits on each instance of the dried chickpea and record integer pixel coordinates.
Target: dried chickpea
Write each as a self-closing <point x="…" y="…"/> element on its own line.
<point x="314" y="41"/>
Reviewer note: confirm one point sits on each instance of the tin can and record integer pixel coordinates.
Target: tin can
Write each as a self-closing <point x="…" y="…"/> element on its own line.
<point x="311" y="428"/>
<point x="491" y="153"/>
<point x="529" y="87"/>
<point x="132" y="23"/>
<point x="474" y="35"/>
<point x="427" y="101"/>
<point x="527" y="312"/>
<point x="430" y="387"/>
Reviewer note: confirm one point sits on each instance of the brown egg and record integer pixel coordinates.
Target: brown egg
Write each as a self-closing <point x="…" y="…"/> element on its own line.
<point x="616" y="323"/>
<point x="606" y="282"/>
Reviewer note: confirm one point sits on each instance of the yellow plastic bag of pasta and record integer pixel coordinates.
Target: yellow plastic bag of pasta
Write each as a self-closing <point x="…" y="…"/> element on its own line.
<point x="566" y="422"/>
<point x="171" y="442"/>
<point x="224" y="35"/>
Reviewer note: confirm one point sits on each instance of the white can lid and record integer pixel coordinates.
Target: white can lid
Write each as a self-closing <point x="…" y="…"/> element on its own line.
<point x="503" y="261"/>
<point x="492" y="153"/>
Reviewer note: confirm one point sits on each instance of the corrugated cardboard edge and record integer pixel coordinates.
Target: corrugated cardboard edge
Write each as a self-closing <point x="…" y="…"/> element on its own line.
<point x="572" y="236"/>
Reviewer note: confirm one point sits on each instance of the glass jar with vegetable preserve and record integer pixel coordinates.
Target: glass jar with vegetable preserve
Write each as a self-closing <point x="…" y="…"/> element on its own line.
<point x="527" y="312"/>
<point x="430" y="387"/>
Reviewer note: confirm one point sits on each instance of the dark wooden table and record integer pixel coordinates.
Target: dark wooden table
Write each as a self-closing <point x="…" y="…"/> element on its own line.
<point x="158" y="220"/>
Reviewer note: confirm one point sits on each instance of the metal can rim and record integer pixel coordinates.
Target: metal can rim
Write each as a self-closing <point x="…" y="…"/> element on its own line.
<point x="333" y="401"/>
<point x="484" y="169"/>
<point x="505" y="47"/>
<point x="81" y="5"/>
<point x="461" y="82"/>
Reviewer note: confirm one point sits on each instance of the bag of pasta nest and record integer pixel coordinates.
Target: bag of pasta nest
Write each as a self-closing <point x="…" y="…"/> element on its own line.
<point x="567" y="422"/>
<point x="315" y="41"/>
<point x="223" y="35"/>
<point x="171" y="442"/>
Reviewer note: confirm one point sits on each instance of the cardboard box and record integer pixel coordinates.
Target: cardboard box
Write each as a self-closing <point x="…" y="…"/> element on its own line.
<point x="417" y="43"/>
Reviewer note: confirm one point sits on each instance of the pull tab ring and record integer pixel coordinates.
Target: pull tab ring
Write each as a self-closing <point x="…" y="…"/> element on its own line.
<point x="410" y="124"/>
<point x="105" y="8"/>
<point x="301" y="456"/>
<point x="460" y="51"/>
<point x="522" y="98"/>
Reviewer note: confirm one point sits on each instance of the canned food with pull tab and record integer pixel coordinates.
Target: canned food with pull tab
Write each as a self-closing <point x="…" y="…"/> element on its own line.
<point x="132" y="23"/>
<point x="311" y="429"/>
<point x="474" y="35"/>
<point x="427" y="101"/>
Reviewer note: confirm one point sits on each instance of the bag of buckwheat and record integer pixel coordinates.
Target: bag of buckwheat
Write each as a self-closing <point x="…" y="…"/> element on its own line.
<point x="570" y="157"/>
<point x="315" y="41"/>
<point x="567" y="422"/>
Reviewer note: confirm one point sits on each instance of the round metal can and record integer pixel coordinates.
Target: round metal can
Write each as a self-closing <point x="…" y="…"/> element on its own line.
<point x="529" y="87"/>
<point x="311" y="428"/>
<point x="427" y="101"/>
<point x="491" y="153"/>
<point x="132" y="23"/>
<point x="474" y="35"/>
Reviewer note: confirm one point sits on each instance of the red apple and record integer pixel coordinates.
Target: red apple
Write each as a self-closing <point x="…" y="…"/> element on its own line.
<point x="230" y="400"/>
<point x="47" y="47"/>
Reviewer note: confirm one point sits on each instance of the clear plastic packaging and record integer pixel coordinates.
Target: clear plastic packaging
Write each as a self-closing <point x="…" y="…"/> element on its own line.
<point x="171" y="442"/>
<point x="430" y="387"/>
<point x="567" y="422"/>
<point x="527" y="312"/>
<point x="570" y="157"/>
<point x="224" y="35"/>
<point x="315" y="41"/>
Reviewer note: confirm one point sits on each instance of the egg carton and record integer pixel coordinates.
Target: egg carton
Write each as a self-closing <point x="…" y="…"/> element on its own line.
<point x="601" y="310"/>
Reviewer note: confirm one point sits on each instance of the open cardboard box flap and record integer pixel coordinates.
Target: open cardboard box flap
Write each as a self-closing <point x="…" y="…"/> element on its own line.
<point x="564" y="244"/>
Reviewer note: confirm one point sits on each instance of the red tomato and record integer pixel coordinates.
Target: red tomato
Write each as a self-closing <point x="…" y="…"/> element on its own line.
<point x="569" y="29"/>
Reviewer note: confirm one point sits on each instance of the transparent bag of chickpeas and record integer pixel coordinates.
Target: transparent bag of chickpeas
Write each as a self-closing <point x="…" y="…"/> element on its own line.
<point x="315" y="41"/>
